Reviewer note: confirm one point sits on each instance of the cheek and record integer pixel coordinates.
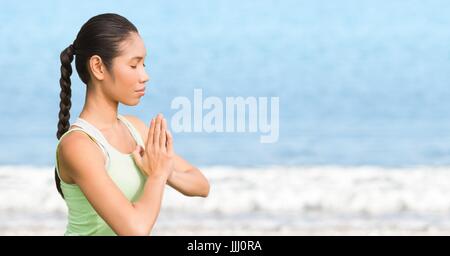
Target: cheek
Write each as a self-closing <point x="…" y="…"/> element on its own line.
<point x="126" y="77"/>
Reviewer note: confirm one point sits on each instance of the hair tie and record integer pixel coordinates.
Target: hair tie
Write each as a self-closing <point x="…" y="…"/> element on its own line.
<point x="72" y="48"/>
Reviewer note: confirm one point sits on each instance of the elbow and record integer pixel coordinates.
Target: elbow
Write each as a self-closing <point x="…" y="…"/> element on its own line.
<point x="206" y="190"/>
<point x="142" y="231"/>
<point x="202" y="191"/>
<point x="138" y="228"/>
<point x="204" y="187"/>
<point x="134" y="231"/>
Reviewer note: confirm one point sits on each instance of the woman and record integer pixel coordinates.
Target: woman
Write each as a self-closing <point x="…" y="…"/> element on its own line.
<point x="110" y="169"/>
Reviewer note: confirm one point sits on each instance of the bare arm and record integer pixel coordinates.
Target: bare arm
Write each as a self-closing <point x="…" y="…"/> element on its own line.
<point x="185" y="178"/>
<point x="188" y="179"/>
<point x="123" y="216"/>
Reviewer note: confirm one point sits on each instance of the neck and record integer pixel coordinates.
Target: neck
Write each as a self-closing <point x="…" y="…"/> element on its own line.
<point x="99" y="110"/>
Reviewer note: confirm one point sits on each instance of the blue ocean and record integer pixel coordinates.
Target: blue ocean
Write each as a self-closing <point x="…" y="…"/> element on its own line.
<point x="359" y="82"/>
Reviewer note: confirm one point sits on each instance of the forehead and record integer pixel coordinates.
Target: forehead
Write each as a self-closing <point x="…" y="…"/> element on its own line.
<point x="132" y="47"/>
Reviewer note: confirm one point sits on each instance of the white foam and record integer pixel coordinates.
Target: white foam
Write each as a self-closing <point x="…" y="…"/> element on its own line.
<point x="273" y="198"/>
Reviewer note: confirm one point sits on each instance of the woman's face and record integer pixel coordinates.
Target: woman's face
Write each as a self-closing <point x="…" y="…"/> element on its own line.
<point x="128" y="69"/>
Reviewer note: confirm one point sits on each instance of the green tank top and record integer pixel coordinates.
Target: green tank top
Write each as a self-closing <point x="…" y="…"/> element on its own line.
<point x="82" y="217"/>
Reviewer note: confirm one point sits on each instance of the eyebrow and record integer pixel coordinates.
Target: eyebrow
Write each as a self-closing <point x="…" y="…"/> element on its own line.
<point x="137" y="57"/>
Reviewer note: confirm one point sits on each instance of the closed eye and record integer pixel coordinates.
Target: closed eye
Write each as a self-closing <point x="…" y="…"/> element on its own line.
<point x="136" y="66"/>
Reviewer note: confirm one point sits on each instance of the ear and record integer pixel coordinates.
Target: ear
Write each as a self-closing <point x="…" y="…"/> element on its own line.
<point x="97" y="68"/>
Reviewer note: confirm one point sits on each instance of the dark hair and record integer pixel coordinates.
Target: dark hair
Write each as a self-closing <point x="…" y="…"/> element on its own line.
<point x="101" y="35"/>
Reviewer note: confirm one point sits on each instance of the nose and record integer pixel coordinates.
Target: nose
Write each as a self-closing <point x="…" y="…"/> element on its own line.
<point x="144" y="77"/>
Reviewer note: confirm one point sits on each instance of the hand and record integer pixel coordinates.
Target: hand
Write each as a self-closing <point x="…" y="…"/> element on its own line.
<point x="157" y="158"/>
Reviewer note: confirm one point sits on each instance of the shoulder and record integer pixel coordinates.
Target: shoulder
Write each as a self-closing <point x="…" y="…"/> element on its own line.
<point x="73" y="151"/>
<point x="139" y="125"/>
<point x="76" y="141"/>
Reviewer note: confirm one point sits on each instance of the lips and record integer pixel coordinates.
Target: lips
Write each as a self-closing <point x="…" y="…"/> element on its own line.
<point x="141" y="89"/>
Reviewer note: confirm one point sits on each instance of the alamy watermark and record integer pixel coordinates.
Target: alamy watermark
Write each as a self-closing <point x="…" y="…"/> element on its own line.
<point x="220" y="116"/>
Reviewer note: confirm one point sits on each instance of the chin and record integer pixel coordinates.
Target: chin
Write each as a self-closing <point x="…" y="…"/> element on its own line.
<point x="133" y="102"/>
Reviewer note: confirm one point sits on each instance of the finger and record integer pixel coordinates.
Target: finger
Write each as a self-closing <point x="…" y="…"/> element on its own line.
<point x="162" y="139"/>
<point x="169" y="142"/>
<point x="157" y="131"/>
<point x="151" y="132"/>
<point x="163" y="124"/>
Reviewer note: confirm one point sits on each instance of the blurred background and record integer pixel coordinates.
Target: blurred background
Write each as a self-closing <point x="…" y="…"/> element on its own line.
<point x="364" y="121"/>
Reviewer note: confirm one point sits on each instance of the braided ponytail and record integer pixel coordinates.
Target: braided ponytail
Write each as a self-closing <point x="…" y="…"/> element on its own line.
<point x="65" y="102"/>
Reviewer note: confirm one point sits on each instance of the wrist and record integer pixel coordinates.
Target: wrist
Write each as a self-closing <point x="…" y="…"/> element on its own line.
<point x="158" y="177"/>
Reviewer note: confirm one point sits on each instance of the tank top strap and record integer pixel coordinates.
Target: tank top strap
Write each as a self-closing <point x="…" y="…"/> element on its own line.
<point x="134" y="132"/>
<point x="92" y="130"/>
<point x="96" y="135"/>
